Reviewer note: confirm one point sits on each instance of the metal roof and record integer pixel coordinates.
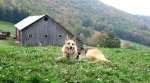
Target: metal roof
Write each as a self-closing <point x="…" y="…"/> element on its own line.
<point x="27" y="21"/>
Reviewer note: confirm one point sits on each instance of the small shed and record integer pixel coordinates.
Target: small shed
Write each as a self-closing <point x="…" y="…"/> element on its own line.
<point x="4" y="35"/>
<point x="41" y="30"/>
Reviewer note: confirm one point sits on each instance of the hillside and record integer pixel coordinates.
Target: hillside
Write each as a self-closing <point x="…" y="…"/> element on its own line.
<point x="80" y="16"/>
<point x="6" y="26"/>
<point x="132" y="45"/>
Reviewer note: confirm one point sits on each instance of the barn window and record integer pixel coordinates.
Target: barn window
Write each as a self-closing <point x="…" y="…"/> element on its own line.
<point x="45" y="36"/>
<point x="30" y="35"/>
<point x="60" y="36"/>
<point x="45" y="18"/>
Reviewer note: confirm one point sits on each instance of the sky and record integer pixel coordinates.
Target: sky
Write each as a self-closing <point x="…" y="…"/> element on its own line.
<point x="137" y="7"/>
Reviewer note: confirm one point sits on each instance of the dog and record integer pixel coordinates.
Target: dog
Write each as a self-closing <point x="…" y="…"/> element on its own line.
<point x="69" y="48"/>
<point x="92" y="54"/>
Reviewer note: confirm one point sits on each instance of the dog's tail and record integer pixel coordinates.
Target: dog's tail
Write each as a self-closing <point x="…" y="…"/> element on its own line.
<point x="106" y="61"/>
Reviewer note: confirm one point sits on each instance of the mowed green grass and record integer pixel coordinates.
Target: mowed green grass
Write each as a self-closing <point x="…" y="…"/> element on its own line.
<point x="19" y="64"/>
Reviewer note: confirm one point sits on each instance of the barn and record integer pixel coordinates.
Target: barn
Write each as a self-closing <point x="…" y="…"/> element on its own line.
<point x="41" y="30"/>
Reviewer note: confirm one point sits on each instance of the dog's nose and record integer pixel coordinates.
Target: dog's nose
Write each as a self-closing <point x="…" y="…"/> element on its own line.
<point x="70" y="47"/>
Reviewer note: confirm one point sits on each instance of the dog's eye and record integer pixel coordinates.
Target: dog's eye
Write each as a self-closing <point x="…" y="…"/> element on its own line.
<point x="72" y="44"/>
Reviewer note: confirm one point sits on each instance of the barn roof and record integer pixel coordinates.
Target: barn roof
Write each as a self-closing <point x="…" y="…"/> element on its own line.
<point x="27" y="21"/>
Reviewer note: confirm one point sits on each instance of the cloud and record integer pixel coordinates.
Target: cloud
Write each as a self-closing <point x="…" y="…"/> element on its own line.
<point x="141" y="7"/>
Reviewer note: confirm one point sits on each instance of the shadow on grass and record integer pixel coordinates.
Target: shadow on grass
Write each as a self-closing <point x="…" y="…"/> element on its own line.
<point x="68" y="62"/>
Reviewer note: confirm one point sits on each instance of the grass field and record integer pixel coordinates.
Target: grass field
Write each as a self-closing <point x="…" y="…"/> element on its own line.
<point x="20" y="64"/>
<point x="37" y="65"/>
<point x="134" y="45"/>
<point x="5" y="26"/>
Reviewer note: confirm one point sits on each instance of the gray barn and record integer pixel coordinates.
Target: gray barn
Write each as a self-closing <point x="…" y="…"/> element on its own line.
<point x="41" y="30"/>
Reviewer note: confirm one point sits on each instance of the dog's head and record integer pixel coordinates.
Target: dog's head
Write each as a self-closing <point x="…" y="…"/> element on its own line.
<point x="70" y="43"/>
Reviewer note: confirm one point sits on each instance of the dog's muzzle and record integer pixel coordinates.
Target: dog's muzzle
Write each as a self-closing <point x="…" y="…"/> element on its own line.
<point x="71" y="48"/>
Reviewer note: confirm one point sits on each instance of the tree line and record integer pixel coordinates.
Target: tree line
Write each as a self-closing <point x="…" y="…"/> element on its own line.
<point x="12" y="15"/>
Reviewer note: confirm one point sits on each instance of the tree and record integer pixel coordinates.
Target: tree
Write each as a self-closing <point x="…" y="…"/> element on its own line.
<point x="87" y="22"/>
<point x="105" y="39"/>
<point x="111" y="41"/>
<point x="12" y="15"/>
<point x="1" y="3"/>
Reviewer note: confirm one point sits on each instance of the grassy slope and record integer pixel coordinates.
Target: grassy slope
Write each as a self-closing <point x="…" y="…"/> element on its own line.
<point x="37" y="64"/>
<point x="28" y="64"/>
<point x="72" y="13"/>
<point x="134" y="45"/>
<point x="5" y="26"/>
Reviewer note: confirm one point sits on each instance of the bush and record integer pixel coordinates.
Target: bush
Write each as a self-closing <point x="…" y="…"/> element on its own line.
<point x="110" y="40"/>
<point x="104" y="39"/>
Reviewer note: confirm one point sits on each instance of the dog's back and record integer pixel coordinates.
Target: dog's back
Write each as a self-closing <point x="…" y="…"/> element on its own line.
<point x="96" y="55"/>
<point x="93" y="54"/>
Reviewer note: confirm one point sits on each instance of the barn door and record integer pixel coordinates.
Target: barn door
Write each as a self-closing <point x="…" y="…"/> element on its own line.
<point x="44" y="36"/>
<point x="51" y="30"/>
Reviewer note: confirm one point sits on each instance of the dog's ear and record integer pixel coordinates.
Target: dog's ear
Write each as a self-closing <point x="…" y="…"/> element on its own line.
<point x="67" y="38"/>
<point x="74" y="38"/>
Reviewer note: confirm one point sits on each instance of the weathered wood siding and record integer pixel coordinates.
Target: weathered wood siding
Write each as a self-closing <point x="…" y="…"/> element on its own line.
<point x="44" y="33"/>
<point x="18" y="35"/>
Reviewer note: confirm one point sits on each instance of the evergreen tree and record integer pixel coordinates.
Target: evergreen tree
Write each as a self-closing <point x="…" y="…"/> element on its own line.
<point x="87" y="22"/>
